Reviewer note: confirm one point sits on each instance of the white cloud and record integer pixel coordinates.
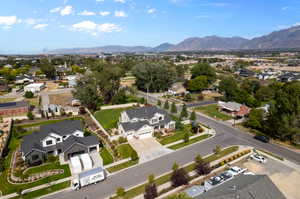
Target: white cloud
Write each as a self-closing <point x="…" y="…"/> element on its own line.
<point x="40" y="26"/>
<point x="120" y="1"/>
<point x="66" y="10"/>
<point x="120" y="14"/>
<point x="285" y="8"/>
<point x="86" y="13"/>
<point x="151" y="10"/>
<point x="93" y="28"/>
<point x="31" y="21"/>
<point x="99" y="0"/>
<point x="57" y="9"/>
<point x="104" y="13"/>
<point x="8" y="20"/>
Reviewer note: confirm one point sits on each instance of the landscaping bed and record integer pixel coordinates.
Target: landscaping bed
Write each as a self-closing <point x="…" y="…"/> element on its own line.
<point x="165" y="178"/>
<point x="122" y="166"/>
<point x="212" y="111"/>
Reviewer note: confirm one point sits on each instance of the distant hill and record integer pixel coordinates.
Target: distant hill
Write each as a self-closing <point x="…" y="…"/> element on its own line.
<point x="284" y="39"/>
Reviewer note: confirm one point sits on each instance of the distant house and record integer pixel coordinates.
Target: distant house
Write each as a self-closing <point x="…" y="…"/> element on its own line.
<point x="245" y="73"/>
<point x="65" y="139"/>
<point x="62" y="71"/>
<point x="14" y="108"/>
<point x="72" y="80"/>
<point x="142" y="122"/>
<point x="177" y="89"/>
<point x="24" y="79"/>
<point x="241" y="187"/>
<point x="35" y="87"/>
<point x="234" y="109"/>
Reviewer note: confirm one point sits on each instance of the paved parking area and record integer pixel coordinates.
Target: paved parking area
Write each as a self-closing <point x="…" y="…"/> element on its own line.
<point x="148" y="148"/>
<point x="285" y="178"/>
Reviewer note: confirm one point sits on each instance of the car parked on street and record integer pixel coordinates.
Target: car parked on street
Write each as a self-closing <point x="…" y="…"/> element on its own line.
<point x="234" y="171"/>
<point x="262" y="138"/>
<point x="258" y="158"/>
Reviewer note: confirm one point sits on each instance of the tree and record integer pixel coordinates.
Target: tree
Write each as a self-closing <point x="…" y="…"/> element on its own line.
<point x="28" y="94"/>
<point x="229" y="87"/>
<point x="150" y="188"/>
<point x="120" y="192"/>
<point x="179" y="196"/>
<point x="193" y="116"/>
<point x="154" y="77"/>
<point x="47" y="68"/>
<point x="204" y="69"/>
<point x="264" y="94"/>
<point x="30" y="115"/>
<point x="166" y="105"/>
<point x="188" y="97"/>
<point x="198" y="84"/>
<point x="184" y="112"/>
<point x="202" y="167"/>
<point x="159" y="103"/>
<point x="173" y="108"/>
<point x="255" y="119"/>
<point x="217" y="150"/>
<point x="186" y="137"/>
<point x="179" y="176"/>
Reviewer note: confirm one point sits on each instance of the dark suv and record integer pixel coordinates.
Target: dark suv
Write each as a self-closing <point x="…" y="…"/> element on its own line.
<point x="262" y="138"/>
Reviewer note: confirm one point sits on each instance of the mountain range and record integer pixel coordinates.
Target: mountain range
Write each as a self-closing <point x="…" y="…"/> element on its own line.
<point x="283" y="39"/>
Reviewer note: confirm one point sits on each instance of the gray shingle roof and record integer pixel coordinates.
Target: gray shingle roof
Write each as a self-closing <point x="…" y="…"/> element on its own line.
<point x="65" y="127"/>
<point x="146" y="112"/>
<point x="134" y="126"/>
<point x="245" y="187"/>
<point x="12" y="105"/>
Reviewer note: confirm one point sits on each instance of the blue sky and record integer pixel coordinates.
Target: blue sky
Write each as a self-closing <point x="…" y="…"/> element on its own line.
<point x="29" y="26"/>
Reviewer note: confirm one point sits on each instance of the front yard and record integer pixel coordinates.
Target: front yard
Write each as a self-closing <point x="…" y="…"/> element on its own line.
<point x="125" y="151"/>
<point x="109" y="118"/>
<point x="212" y="111"/>
<point x="178" y="135"/>
<point x="106" y="156"/>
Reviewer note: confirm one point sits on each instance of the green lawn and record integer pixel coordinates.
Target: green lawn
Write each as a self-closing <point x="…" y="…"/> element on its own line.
<point x="106" y="156"/>
<point x="48" y="190"/>
<point x="46" y="167"/>
<point x="48" y="122"/>
<point x="165" y="178"/>
<point x="125" y="150"/>
<point x="179" y="135"/>
<point x="192" y="141"/>
<point x="109" y="118"/>
<point x="8" y="188"/>
<point x="122" y="166"/>
<point x="212" y="111"/>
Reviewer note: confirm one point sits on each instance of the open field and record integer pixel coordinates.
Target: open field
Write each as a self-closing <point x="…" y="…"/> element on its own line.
<point x="64" y="99"/>
<point x="212" y="111"/>
<point x="109" y="118"/>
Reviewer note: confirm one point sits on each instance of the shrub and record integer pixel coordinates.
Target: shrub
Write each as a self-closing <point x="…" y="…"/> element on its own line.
<point x="30" y="115"/>
<point x="28" y="94"/>
<point x="120" y="192"/>
<point x="122" y="140"/>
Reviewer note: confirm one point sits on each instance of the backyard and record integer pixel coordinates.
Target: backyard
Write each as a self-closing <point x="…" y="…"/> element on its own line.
<point x="212" y="111"/>
<point x="109" y="118"/>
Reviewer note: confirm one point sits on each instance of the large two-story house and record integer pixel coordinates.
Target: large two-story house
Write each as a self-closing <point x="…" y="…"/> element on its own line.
<point x="142" y="122"/>
<point x="65" y="138"/>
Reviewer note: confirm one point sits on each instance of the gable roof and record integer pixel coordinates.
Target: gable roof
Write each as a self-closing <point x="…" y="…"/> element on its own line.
<point x="85" y="141"/>
<point x="146" y="112"/>
<point x="134" y="126"/>
<point x="245" y="187"/>
<point x="232" y="106"/>
<point x="65" y="127"/>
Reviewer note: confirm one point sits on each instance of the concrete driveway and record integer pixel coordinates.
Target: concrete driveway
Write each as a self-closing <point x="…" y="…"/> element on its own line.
<point x="148" y="148"/>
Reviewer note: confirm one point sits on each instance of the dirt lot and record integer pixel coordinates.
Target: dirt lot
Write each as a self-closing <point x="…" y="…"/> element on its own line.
<point x="64" y="99"/>
<point x="284" y="177"/>
<point x="50" y="86"/>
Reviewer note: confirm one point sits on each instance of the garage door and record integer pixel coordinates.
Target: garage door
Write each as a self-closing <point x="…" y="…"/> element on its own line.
<point x="145" y="135"/>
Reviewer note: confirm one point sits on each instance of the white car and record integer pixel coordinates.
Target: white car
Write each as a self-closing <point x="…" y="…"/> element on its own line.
<point x="258" y="158"/>
<point x="249" y="173"/>
<point x="234" y="171"/>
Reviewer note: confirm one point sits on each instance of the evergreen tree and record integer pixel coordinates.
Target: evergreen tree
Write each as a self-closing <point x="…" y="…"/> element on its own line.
<point x="184" y="113"/>
<point x="166" y="105"/>
<point x="186" y="137"/>
<point x="173" y="108"/>
<point x="193" y="116"/>
<point x="159" y="103"/>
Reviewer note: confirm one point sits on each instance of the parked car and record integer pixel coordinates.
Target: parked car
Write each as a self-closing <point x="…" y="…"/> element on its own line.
<point x="258" y="158"/>
<point x="234" y="171"/>
<point x="226" y="175"/>
<point x="215" y="180"/>
<point x="262" y="138"/>
<point x="249" y="173"/>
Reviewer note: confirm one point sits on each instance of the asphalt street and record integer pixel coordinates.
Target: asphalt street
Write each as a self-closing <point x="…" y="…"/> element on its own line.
<point x="225" y="136"/>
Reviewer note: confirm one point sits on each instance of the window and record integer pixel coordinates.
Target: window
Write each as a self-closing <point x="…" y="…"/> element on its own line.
<point x="59" y="151"/>
<point x="64" y="137"/>
<point x="48" y="142"/>
<point x="58" y="139"/>
<point x="160" y="118"/>
<point x="154" y="121"/>
<point x="50" y="152"/>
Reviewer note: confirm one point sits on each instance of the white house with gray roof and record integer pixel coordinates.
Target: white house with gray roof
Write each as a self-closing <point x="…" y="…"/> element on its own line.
<point x="142" y="122"/>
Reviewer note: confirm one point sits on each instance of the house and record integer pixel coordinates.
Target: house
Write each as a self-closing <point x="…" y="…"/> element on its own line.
<point x="177" y="89"/>
<point x="234" y="109"/>
<point x="142" y="122"/>
<point x="35" y="87"/>
<point x="245" y="72"/>
<point x="72" y="80"/>
<point x="243" y="187"/>
<point x="21" y="79"/>
<point x="14" y="108"/>
<point x="65" y="139"/>
<point x="62" y="71"/>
